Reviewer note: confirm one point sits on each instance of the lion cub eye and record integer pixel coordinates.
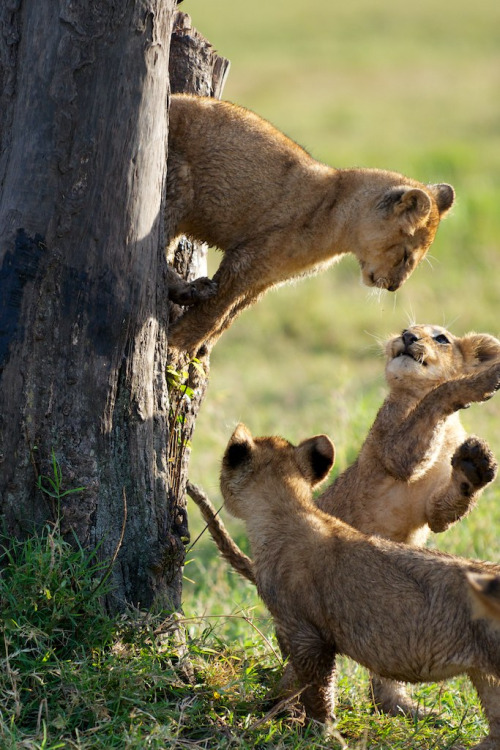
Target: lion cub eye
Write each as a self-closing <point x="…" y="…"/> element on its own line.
<point x="441" y="339"/>
<point x="406" y="257"/>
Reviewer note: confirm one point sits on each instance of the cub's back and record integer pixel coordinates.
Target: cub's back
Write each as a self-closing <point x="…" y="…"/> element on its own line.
<point x="244" y="174"/>
<point x="200" y="122"/>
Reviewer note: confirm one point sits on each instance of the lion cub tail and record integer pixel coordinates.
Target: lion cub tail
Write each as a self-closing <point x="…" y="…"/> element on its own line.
<point x="227" y="546"/>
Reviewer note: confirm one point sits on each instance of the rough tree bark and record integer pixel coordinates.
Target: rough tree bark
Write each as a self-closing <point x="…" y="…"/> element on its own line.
<point x="83" y="303"/>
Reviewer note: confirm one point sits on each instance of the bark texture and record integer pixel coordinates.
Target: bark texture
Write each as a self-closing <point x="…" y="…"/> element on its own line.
<point x="83" y="303"/>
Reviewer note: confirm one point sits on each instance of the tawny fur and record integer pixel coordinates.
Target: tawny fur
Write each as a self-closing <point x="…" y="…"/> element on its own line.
<point x="485" y="595"/>
<point x="417" y="470"/>
<point x="402" y="612"/>
<point x="237" y="183"/>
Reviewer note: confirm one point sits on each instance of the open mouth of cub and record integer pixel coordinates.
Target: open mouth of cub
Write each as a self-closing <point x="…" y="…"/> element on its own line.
<point x="406" y="353"/>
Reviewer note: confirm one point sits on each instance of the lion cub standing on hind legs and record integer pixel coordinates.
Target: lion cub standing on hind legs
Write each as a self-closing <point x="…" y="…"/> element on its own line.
<point x="417" y="470"/>
<point x="404" y="613"/>
<point x="237" y="183"/>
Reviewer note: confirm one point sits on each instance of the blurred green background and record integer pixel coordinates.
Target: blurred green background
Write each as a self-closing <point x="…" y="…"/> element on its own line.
<point x="413" y="87"/>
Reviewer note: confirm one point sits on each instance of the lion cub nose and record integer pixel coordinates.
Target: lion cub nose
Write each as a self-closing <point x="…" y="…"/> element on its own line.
<point x="409" y="338"/>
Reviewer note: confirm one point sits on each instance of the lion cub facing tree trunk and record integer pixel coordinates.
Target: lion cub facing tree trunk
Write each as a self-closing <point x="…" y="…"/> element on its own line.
<point x="402" y="612"/>
<point x="237" y="183"/>
<point x="417" y="469"/>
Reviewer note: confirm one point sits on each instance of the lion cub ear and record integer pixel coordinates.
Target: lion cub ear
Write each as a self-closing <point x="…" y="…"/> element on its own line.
<point x="411" y="206"/>
<point x="480" y="348"/>
<point x="315" y="458"/>
<point x="239" y="448"/>
<point x="444" y="195"/>
<point x="485" y="593"/>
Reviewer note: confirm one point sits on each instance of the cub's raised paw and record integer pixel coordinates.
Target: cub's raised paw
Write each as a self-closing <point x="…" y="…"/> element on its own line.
<point x="477" y="463"/>
<point x="488" y="382"/>
<point x="192" y="292"/>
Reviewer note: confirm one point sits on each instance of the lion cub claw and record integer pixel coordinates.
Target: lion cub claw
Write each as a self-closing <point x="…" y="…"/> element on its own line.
<point x="187" y="293"/>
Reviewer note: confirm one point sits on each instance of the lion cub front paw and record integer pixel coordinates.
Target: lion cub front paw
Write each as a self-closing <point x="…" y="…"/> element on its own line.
<point x="488" y="382"/>
<point x="192" y="292"/>
<point x="477" y="464"/>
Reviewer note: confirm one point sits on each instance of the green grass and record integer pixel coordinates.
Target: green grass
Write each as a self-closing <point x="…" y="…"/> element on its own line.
<point x="410" y="87"/>
<point x="71" y="677"/>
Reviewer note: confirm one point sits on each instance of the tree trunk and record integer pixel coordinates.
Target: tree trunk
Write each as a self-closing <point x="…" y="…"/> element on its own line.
<point x="83" y="303"/>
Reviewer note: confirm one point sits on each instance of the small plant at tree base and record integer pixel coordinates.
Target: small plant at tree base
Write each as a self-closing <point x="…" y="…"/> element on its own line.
<point x="182" y="394"/>
<point x="52" y="486"/>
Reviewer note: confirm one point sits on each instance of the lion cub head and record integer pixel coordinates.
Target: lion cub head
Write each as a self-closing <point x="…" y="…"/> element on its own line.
<point x="256" y="469"/>
<point x="424" y="356"/>
<point x="392" y="235"/>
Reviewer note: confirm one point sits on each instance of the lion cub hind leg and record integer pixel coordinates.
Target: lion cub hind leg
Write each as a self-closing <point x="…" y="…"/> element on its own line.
<point x="390" y="697"/>
<point x="473" y="467"/>
<point x="488" y="690"/>
<point x="313" y="661"/>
